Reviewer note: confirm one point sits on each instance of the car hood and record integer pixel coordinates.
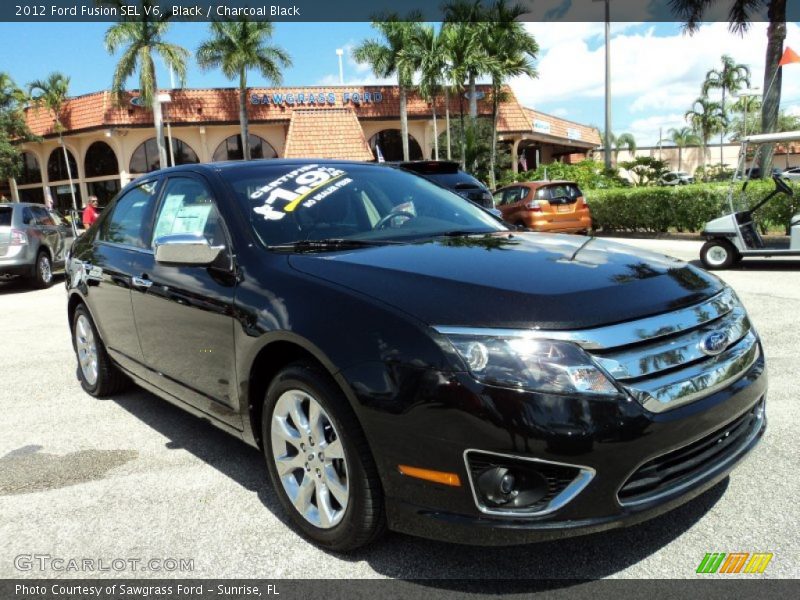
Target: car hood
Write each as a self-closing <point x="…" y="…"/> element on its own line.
<point x="516" y="280"/>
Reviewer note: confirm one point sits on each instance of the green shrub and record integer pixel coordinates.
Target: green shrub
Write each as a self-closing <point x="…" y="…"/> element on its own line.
<point x="683" y="208"/>
<point x="587" y="174"/>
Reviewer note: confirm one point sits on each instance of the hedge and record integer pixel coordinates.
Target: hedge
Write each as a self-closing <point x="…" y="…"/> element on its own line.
<point x="683" y="208"/>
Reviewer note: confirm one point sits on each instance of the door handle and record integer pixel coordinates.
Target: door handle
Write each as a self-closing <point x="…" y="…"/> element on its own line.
<point x="141" y="282"/>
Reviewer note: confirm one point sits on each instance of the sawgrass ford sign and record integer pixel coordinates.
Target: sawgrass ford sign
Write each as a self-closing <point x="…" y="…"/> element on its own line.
<point x="317" y="98"/>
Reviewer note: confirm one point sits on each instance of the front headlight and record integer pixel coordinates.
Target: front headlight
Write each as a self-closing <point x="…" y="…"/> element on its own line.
<point x="532" y="364"/>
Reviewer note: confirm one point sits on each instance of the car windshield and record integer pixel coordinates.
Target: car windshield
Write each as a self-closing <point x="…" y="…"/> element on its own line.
<point x="286" y="204"/>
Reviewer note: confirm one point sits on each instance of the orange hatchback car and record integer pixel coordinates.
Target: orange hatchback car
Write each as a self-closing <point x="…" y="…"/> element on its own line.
<point x="554" y="206"/>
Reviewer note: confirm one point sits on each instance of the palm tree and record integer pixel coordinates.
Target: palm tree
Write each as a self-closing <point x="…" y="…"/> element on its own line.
<point x="382" y="56"/>
<point x="237" y="46"/>
<point x="624" y="140"/>
<point x="466" y="19"/>
<point x="425" y="53"/>
<point x="741" y="14"/>
<point x="730" y="78"/>
<point x="50" y="94"/>
<point x="706" y="118"/>
<point x="681" y="138"/>
<point x="139" y="41"/>
<point x="509" y="49"/>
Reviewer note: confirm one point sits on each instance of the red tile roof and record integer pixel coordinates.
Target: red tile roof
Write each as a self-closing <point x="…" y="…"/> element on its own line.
<point x="326" y="133"/>
<point x="558" y="127"/>
<point x="221" y="105"/>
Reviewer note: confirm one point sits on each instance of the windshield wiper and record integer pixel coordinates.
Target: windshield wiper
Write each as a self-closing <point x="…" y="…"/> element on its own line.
<point x="463" y="233"/>
<point x="329" y="244"/>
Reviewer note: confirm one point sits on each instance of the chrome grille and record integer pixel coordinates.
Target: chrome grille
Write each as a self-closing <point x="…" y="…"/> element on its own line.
<point x="669" y="367"/>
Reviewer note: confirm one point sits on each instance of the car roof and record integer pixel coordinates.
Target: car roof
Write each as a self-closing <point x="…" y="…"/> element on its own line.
<point x="538" y="184"/>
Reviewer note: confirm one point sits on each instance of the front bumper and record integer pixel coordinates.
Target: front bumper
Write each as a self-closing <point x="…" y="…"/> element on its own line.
<point x="451" y="414"/>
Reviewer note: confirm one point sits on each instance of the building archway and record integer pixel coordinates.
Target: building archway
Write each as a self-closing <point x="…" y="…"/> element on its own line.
<point x="145" y="158"/>
<point x="100" y="161"/>
<point x="390" y="142"/>
<point x="57" y="167"/>
<point x="31" y="172"/>
<point x="231" y="148"/>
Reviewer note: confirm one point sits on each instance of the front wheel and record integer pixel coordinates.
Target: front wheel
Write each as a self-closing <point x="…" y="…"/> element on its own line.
<point x="318" y="460"/>
<point x="718" y="254"/>
<point x="97" y="374"/>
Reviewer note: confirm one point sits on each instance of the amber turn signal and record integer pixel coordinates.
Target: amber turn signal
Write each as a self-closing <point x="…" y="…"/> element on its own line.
<point x="429" y="475"/>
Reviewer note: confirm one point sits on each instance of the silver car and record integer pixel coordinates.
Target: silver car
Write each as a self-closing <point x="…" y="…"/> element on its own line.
<point x="33" y="242"/>
<point x="793" y="173"/>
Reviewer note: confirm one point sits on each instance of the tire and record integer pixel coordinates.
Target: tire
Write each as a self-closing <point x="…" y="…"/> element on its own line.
<point x="355" y="515"/>
<point x="718" y="254"/>
<point x="104" y="378"/>
<point x="42" y="276"/>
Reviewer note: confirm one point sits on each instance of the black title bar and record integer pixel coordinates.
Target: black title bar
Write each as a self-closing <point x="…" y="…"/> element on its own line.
<point x="27" y="11"/>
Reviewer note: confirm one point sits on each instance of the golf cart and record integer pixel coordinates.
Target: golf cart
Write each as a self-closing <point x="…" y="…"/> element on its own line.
<point x="735" y="235"/>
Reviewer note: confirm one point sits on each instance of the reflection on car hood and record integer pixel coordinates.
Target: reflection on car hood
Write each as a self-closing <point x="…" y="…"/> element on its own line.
<point x="517" y="280"/>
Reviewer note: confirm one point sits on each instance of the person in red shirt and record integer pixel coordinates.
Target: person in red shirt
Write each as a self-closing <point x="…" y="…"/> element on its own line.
<point x="90" y="213"/>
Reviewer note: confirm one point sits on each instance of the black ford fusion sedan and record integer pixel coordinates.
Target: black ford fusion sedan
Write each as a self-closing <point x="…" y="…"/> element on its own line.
<point x="405" y="361"/>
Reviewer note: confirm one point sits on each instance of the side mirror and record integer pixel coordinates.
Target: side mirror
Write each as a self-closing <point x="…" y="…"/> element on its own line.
<point x="186" y="249"/>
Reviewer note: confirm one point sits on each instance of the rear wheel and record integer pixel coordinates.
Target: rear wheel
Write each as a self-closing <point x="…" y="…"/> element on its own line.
<point x="318" y="460"/>
<point x="97" y="374"/>
<point x="718" y="254"/>
<point x="43" y="271"/>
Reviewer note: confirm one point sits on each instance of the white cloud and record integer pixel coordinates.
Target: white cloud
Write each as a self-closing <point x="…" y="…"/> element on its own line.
<point x="649" y="72"/>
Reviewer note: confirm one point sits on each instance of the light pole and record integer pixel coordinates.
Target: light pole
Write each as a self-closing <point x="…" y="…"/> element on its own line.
<point x="164" y="98"/>
<point x="607" y="140"/>
<point x="339" y="53"/>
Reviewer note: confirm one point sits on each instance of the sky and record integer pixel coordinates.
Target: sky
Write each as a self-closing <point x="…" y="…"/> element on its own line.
<point x="657" y="70"/>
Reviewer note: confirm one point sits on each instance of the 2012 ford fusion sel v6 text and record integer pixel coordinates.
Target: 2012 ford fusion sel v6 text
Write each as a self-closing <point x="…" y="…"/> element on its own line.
<point x="404" y="360"/>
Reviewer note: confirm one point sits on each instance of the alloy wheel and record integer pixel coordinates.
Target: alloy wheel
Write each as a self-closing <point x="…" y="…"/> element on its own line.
<point x="86" y="348"/>
<point x="45" y="272"/>
<point x="310" y="459"/>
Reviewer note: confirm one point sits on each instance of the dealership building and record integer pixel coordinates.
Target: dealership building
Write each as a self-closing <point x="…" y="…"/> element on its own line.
<point x="110" y="142"/>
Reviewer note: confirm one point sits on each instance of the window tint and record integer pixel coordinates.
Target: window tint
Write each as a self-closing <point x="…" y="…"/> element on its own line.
<point x="42" y="216"/>
<point x="188" y="208"/>
<point x="129" y="222"/>
<point x="316" y="201"/>
<point x="5" y="216"/>
<point x="512" y="195"/>
<point x="27" y="216"/>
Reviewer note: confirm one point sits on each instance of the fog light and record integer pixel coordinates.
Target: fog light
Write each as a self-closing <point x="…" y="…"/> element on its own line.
<point x="517" y="488"/>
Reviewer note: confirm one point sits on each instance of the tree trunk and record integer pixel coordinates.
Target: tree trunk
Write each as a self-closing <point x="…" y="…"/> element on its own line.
<point x="493" y="153"/>
<point x="473" y="99"/>
<point x="435" y="132"/>
<point x="243" y="115"/>
<point x="404" y="121"/>
<point x="722" y="133"/>
<point x="69" y="173"/>
<point x="680" y="157"/>
<point x="158" y="121"/>
<point x="463" y="132"/>
<point x="776" y="34"/>
<point x="447" y="121"/>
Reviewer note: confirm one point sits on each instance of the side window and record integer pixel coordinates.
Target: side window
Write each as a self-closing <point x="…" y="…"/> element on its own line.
<point x="498" y="198"/>
<point x="511" y="195"/>
<point x="27" y="216"/>
<point x="129" y="221"/>
<point x="574" y="192"/>
<point x="188" y="208"/>
<point x="543" y="193"/>
<point x="43" y="217"/>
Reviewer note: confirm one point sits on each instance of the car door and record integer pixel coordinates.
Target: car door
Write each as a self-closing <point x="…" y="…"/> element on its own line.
<point x="508" y="202"/>
<point x="184" y="313"/>
<point x="107" y="267"/>
<point x="51" y="235"/>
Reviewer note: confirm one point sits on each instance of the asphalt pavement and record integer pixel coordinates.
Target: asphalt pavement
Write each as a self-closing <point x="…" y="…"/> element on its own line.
<point x="136" y="479"/>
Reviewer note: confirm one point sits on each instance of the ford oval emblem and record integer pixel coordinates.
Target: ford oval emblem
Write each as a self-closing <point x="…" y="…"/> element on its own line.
<point x="714" y="343"/>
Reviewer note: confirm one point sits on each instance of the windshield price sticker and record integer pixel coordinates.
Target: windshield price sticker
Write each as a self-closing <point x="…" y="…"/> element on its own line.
<point x="304" y="186"/>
